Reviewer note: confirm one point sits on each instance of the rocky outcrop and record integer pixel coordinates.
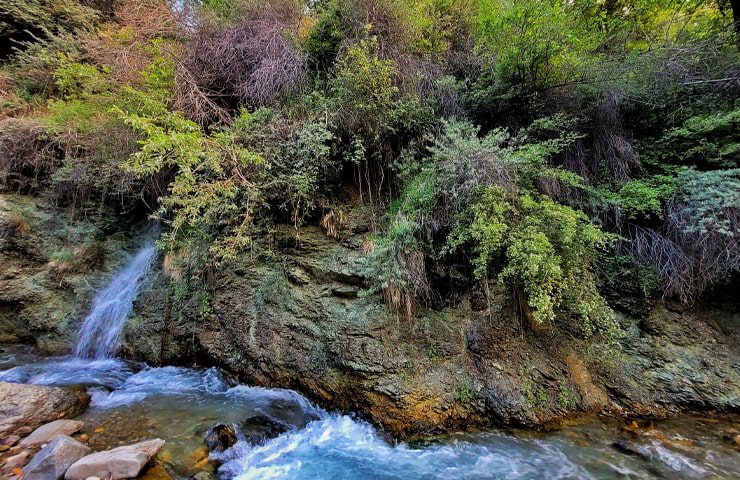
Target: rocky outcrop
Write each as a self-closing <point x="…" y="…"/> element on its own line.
<point x="119" y="463"/>
<point x="297" y="317"/>
<point x="676" y="360"/>
<point x="28" y="406"/>
<point x="51" y="262"/>
<point x="289" y="321"/>
<point x="55" y="458"/>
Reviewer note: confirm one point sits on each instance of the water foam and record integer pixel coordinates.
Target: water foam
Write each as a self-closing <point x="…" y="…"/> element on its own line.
<point x="338" y="446"/>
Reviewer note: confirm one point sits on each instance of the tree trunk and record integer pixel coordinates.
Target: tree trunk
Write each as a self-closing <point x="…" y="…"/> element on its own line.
<point x="735" y="6"/>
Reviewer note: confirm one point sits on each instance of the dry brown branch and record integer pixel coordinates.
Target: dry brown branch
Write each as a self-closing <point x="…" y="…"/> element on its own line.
<point x="253" y="62"/>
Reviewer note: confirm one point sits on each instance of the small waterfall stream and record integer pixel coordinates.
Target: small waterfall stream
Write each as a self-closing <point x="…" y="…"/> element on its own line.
<point x="100" y="333"/>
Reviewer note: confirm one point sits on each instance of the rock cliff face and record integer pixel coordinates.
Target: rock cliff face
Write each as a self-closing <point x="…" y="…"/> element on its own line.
<point x="50" y="266"/>
<point x="297" y="318"/>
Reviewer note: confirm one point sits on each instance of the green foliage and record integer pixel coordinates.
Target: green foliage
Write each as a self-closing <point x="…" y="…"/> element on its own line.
<point x="64" y="257"/>
<point x="478" y="192"/>
<point x="324" y="39"/>
<point x="224" y="10"/>
<point x="548" y="249"/>
<point x="21" y="218"/>
<point x="536" y="43"/>
<point x="533" y="392"/>
<point x="212" y="194"/>
<point x="645" y="198"/>
<point x="566" y="398"/>
<point x="706" y="139"/>
<point x="75" y="79"/>
<point x="364" y="90"/>
<point x="304" y="166"/>
<point x="40" y="18"/>
<point x="465" y="393"/>
<point x="709" y="201"/>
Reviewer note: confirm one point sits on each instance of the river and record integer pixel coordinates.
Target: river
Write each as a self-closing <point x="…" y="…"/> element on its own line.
<point x="133" y="401"/>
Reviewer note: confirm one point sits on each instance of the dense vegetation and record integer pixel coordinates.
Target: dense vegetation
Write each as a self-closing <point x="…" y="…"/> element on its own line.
<point x="567" y="149"/>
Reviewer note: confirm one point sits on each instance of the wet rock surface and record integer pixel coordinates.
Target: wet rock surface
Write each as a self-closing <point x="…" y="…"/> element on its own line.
<point x="51" y="263"/>
<point x="220" y="438"/>
<point x="260" y="428"/>
<point x="25" y="407"/>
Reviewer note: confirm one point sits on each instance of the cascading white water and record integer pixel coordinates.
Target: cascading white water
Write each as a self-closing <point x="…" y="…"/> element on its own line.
<point x="100" y="333"/>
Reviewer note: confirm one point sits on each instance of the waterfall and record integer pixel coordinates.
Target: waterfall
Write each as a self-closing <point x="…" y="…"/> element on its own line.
<point x="100" y="333"/>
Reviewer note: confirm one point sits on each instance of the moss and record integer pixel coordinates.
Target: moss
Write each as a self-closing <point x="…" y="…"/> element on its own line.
<point x="465" y="392"/>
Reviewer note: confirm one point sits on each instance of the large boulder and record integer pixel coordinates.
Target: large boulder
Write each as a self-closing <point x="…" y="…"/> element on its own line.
<point x="52" y="462"/>
<point x="32" y="405"/>
<point x="260" y="428"/>
<point x="122" y="462"/>
<point x="46" y="433"/>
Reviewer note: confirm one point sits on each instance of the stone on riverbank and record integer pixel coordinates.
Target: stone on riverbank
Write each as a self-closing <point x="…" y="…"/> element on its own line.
<point x="54" y="459"/>
<point x="32" y="405"/>
<point x="46" y="433"/>
<point x="122" y="462"/>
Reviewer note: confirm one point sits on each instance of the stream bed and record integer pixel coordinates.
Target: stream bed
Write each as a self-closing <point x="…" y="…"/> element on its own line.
<point x="133" y="401"/>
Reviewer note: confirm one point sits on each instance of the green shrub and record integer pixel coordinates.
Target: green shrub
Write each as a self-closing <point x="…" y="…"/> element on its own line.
<point x="213" y="195"/>
<point x="645" y="198"/>
<point x="548" y="249"/>
<point x="364" y="90"/>
<point x="475" y="196"/>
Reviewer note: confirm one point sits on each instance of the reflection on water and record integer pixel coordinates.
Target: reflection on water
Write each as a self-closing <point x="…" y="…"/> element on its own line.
<point x="133" y="401"/>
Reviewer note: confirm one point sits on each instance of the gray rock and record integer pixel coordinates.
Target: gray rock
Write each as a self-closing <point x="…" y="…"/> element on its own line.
<point x="33" y="405"/>
<point x="260" y="428"/>
<point x="46" y="433"/>
<point x="54" y="459"/>
<point x="118" y="463"/>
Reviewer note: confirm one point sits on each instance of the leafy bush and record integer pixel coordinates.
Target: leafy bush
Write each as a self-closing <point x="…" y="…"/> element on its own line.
<point x="477" y="193"/>
<point x="646" y="198"/>
<point x="364" y="91"/>
<point x="541" y="248"/>
<point x="24" y="21"/>
<point x="213" y="192"/>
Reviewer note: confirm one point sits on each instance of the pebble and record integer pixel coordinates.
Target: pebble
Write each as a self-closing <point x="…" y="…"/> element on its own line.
<point x="18" y="460"/>
<point x="10" y="440"/>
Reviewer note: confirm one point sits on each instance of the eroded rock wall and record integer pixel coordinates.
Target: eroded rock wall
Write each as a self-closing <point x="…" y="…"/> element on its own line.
<point x="298" y="319"/>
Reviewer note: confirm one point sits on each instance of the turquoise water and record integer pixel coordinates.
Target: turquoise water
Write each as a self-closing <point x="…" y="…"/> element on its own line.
<point x="133" y="401"/>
